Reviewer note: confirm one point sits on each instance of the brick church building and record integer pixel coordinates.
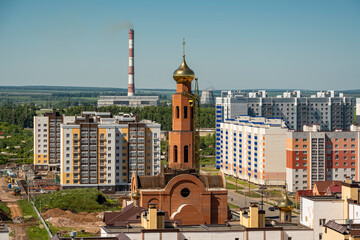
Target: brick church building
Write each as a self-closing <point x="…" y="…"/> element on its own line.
<point x="185" y="195"/>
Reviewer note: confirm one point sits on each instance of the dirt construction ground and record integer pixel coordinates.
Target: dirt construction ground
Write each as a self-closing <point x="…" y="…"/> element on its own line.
<point x="19" y="229"/>
<point x="90" y="222"/>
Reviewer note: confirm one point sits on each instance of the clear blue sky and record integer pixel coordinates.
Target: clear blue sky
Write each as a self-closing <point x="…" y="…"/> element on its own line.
<point x="230" y="44"/>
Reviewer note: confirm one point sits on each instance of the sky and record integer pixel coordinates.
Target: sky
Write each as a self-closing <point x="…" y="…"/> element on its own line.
<point x="238" y="44"/>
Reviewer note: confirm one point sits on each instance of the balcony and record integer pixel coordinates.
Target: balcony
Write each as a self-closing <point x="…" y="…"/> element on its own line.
<point x="84" y="168"/>
<point x="85" y="180"/>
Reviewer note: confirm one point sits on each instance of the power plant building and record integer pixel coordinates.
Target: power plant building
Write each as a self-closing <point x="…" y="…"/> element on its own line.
<point x="207" y="97"/>
<point x="131" y="100"/>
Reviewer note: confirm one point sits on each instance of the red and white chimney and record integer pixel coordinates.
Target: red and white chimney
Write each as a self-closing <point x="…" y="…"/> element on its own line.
<point x="131" y="84"/>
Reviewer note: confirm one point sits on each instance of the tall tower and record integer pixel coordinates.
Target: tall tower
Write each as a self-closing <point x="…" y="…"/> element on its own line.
<point x="131" y="82"/>
<point x="181" y="136"/>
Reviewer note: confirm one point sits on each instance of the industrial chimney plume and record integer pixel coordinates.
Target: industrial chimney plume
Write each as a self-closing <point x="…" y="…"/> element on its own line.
<point x="131" y="84"/>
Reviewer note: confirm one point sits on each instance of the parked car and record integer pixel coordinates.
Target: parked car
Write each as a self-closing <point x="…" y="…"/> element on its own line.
<point x="271" y="209"/>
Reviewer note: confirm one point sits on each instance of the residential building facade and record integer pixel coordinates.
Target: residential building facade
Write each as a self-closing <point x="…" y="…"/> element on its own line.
<point x="47" y="141"/>
<point x="327" y="109"/>
<point x="314" y="155"/>
<point x="102" y="151"/>
<point x="253" y="149"/>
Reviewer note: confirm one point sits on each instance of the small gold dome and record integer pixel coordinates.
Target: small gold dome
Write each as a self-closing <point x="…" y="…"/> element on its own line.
<point x="285" y="204"/>
<point x="183" y="74"/>
<point x="136" y="195"/>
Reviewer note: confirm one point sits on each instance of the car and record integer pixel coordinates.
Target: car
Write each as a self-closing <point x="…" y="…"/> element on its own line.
<point x="271" y="209"/>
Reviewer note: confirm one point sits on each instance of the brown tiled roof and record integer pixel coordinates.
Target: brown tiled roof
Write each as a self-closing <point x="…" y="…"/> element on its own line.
<point x="129" y="214"/>
<point x="336" y="227"/>
<point x="323" y="185"/>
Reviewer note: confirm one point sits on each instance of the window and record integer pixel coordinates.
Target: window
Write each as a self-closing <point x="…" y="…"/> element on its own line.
<point x="177" y="111"/>
<point x="185" y="192"/>
<point x="175" y="153"/>
<point x="322" y="221"/>
<point x="185" y="112"/>
<point x="186" y="154"/>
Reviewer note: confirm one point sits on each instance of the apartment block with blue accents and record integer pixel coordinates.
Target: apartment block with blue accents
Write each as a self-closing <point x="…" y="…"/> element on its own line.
<point x="252" y="148"/>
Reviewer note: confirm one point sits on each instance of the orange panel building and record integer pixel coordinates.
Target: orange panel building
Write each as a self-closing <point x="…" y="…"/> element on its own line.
<point x="314" y="155"/>
<point x="188" y="197"/>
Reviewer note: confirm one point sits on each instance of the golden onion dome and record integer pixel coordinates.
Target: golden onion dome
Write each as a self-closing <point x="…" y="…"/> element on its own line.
<point x="183" y="74"/>
<point x="135" y="195"/>
<point x="285" y="204"/>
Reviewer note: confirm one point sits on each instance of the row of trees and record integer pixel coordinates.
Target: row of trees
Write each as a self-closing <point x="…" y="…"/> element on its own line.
<point x="21" y="115"/>
<point x="159" y="114"/>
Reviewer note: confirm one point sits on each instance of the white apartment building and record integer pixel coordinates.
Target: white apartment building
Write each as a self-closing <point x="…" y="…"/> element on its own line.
<point x="316" y="211"/>
<point x="47" y="141"/>
<point x="253" y="148"/>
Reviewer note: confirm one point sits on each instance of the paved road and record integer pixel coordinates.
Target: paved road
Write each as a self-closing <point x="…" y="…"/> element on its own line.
<point x="243" y="201"/>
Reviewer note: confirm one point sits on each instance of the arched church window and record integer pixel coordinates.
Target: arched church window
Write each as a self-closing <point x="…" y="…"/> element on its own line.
<point x="186" y="154"/>
<point x="177" y="112"/>
<point x="185" y="112"/>
<point x="175" y="153"/>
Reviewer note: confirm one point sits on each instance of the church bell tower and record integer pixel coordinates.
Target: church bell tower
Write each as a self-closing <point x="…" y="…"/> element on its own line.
<point x="181" y="136"/>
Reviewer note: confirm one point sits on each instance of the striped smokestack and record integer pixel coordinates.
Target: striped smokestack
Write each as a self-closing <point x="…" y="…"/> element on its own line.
<point x="131" y="86"/>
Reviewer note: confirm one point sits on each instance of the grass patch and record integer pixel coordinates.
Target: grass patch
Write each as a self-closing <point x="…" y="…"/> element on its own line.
<point x="207" y="161"/>
<point x="274" y="193"/>
<point x="27" y="210"/>
<point x="78" y="200"/>
<point x="210" y="170"/>
<point x="37" y="233"/>
<point x="233" y="205"/>
<point x="232" y="186"/>
<point x="240" y="182"/>
<point x="5" y="208"/>
<point x="252" y="194"/>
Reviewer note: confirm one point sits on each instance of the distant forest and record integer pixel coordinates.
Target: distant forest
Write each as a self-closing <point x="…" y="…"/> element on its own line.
<point x="22" y="115"/>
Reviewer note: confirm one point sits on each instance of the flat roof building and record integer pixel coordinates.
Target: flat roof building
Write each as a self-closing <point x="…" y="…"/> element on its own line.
<point x="327" y="109"/>
<point x="100" y="150"/>
<point x="253" y="149"/>
<point x="128" y="101"/>
<point x="315" y="155"/>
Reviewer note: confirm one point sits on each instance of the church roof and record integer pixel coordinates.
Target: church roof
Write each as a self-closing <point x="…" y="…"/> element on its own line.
<point x="161" y="180"/>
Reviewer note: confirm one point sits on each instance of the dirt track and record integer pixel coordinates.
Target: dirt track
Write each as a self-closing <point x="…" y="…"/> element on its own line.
<point x="19" y="229"/>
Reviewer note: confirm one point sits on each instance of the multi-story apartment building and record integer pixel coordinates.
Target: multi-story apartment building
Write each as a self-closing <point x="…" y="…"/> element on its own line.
<point x="252" y="148"/>
<point x="314" y="155"/>
<point x="98" y="150"/>
<point x="327" y="109"/>
<point x="47" y="141"/>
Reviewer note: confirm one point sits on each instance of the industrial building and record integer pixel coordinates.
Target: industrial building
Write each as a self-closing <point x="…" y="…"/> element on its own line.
<point x="253" y="149"/>
<point x="328" y="110"/>
<point x="102" y="151"/>
<point x="207" y="97"/>
<point x="315" y="155"/>
<point x="131" y="100"/>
